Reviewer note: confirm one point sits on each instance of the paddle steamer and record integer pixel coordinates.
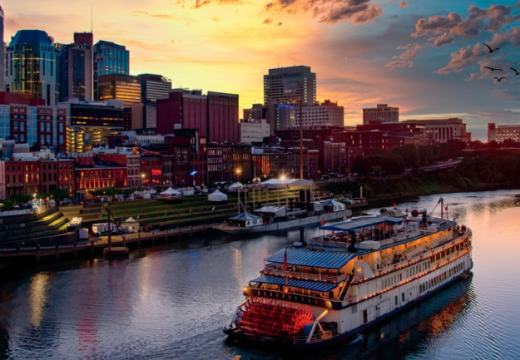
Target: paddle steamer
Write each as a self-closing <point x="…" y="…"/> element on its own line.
<point x="357" y="274"/>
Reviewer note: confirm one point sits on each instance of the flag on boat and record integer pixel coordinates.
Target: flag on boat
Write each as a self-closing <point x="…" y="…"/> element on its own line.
<point x="446" y="208"/>
<point x="284" y="266"/>
<point x="321" y="223"/>
<point x="395" y="205"/>
<point x="440" y="199"/>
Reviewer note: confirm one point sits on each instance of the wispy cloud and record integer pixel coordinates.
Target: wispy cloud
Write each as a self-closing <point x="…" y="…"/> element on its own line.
<point x="399" y="63"/>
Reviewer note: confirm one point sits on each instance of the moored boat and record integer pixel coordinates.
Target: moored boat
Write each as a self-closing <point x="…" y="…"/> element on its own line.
<point x="360" y="272"/>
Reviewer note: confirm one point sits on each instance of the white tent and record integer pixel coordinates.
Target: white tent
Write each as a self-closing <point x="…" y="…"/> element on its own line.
<point x="279" y="183"/>
<point x="130" y="219"/>
<point x="333" y="205"/>
<point x="217" y="196"/>
<point x="235" y="186"/>
<point x="170" y="192"/>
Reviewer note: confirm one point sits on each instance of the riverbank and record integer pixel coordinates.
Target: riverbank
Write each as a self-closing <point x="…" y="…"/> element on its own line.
<point x="486" y="172"/>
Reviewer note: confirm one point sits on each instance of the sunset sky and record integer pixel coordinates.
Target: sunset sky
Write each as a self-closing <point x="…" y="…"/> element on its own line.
<point x="425" y="57"/>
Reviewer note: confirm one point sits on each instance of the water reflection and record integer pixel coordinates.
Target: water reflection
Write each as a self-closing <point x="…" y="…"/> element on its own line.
<point x="171" y="301"/>
<point x="37" y="297"/>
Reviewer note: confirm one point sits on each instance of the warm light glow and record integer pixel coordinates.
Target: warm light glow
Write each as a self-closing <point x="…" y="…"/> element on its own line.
<point x="283" y="177"/>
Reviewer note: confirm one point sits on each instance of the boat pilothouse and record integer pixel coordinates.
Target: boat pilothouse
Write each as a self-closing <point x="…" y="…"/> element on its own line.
<point x="354" y="275"/>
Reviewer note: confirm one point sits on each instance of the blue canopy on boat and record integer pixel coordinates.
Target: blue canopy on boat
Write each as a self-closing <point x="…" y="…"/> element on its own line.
<point x="362" y="223"/>
<point x="311" y="258"/>
<point x="245" y="216"/>
<point x="302" y="284"/>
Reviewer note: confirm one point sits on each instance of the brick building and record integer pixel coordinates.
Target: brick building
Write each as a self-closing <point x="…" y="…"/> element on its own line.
<point x="215" y="115"/>
<point x="96" y="174"/>
<point x="40" y="172"/>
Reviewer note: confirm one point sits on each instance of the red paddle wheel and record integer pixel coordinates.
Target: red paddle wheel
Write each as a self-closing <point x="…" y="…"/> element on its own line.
<point x="273" y="318"/>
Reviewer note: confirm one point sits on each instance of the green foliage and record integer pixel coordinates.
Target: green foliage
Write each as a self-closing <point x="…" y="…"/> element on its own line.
<point x="485" y="169"/>
<point x="21" y="198"/>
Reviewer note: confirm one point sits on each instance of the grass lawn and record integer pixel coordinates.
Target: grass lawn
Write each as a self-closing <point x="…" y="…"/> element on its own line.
<point x="196" y="202"/>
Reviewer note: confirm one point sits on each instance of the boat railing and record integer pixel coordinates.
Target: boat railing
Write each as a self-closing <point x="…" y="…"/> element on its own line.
<point x="319" y="336"/>
<point x="305" y="276"/>
<point x="327" y="243"/>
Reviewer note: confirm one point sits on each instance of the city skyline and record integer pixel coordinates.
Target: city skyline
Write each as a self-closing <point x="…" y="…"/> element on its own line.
<point x="363" y="52"/>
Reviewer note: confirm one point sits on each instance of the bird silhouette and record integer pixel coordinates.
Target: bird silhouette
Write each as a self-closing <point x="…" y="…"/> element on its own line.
<point x="490" y="49"/>
<point x="499" y="79"/>
<point x="516" y="71"/>
<point x="492" y="69"/>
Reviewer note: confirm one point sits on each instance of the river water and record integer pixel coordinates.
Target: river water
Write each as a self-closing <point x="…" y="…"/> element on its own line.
<point x="171" y="301"/>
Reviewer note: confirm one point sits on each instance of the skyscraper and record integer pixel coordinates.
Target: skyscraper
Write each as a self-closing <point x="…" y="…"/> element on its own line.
<point x="289" y="84"/>
<point x="109" y="58"/>
<point x="119" y="87"/>
<point x="76" y="71"/>
<point x="87" y="38"/>
<point x="2" y="51"/>
<point x="153" y="87"/>
<point x="32" y="65"/>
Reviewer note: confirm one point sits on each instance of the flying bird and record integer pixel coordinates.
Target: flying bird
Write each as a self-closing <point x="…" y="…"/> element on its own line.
<point x="490" y="49"/>
<point x="492" y="69"/>
<point x="499" y="79"/>
<point x="516" y="71"/>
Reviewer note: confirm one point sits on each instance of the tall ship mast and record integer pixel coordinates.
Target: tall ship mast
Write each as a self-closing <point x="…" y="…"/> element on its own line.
<point x="356" y="274"/>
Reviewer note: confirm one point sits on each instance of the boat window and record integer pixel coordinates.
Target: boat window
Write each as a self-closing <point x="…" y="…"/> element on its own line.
<point x="402" y="296"/>
<point x="396" y="300"/>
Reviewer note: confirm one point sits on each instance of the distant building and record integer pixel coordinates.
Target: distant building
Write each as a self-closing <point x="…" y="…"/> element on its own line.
<point x="119" y="87"/>
<point x="2" y="51"/>
<point x="92" y="123"/>
<point x="253" y="130"/>
<point x="499" y="133"/>
<point x="412" y="133"/>
<point x="76" y="72"/>
<point x="492" y="132"/>
<point x="87" y="39"/>
<point x="32" y="65"/>
<point x="109" y="58"/>
<point x="26" y="172"/>
<point x="444" y="130"/>
<point x="286" y="85"/>
<point x="153" y="87"/>
<point x="30" y="121"/>
<point x="215" y="115"/>
<point x="326" y="113"/>
<point x="125" y="157"/>
<point x="92" y="173"/>
<point x="257" y="112"/>
<point x="282" y="116"/>
<point x="381" y="113"/>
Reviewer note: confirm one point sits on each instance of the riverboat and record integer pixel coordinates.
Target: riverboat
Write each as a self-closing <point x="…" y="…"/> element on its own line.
<point x="356" y="274"/>
<point x="274" y="218"/>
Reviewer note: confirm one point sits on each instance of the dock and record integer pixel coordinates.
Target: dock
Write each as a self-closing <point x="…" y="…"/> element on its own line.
<point x="90" y="246"/>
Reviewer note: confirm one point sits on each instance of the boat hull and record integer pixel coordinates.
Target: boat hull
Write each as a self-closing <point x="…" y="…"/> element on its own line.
<point x="346" y="335"/>
<point x="284" y="225"/>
